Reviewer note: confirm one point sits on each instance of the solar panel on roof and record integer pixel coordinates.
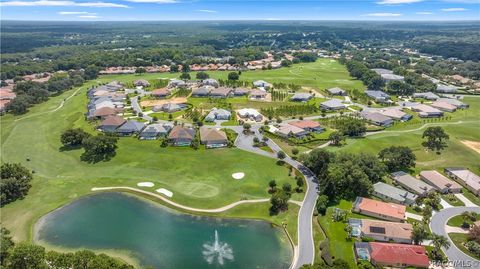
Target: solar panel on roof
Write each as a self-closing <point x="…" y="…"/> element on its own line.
<point x="378" y="230"/>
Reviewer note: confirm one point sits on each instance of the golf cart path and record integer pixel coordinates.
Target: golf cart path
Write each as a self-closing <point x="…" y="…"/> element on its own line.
<point x="52" y="110"/>
<point x="188" y="208"/>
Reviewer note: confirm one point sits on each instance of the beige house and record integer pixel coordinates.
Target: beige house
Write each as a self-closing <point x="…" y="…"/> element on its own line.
<point x="384" y="231"/>
<point x="440" y="182"/>
<point x="466" y="178"/>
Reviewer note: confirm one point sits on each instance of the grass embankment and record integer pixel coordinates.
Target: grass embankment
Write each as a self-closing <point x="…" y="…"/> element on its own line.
<point x="199" y="178"/>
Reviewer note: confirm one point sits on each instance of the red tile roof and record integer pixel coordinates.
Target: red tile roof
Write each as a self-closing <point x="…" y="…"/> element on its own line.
<point x="379" y="207"/>
<point x="393" y="254"/>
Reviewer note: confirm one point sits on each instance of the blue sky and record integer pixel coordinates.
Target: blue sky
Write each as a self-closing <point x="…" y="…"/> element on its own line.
<point x="124" y="10"/>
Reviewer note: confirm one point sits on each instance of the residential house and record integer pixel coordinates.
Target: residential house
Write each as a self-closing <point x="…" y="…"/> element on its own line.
<point x="446" y="88"/>
<point x="221" y="92"/>
<point x="444" y="106"/>
<point x="455" y="102"/>
<point x="177" y="83"/>
<point x="426" y="111"/>
<point x="202" y="91"/>
<point x="336" y="91"/>
<point x="153" y="131"/>
<point x="103" y="112"/>
<point x="218" y="114"/>
<point x="250" y="114"/>
<point x="301" y="97"/>
<point x="287" y="130"/>
<point x="257" y="95"/>
<point x="130" y="127"/>
<point x="169" y="107"/>
<point x="105" y="104"/>
<point x="407" y="104"/>
<point x="181" y="136"/>
<point x="392" y="77"/>
<point x="114" y="85"/>
<point x="111" y="123"/>
<point x="213" y="138"/>
<point x="411" y="184"/>
<point x="426" y="95"/>
<point x="308" y="125"/>
<point x="396" y="114"/>
<point x="392" y="254"/>
<point x="384" y="231"/>
<point x="378" y="209"/>
<point x="333" y="104"/>
<point x="210" y="82"/>
<point x="382" y="71"/>
<point x="378" y="96"/>
<point x="440" y="182"/>
<point x="393" y="194"/>
<point x="466" y="178"/>
<point x="141" y="83"/>
<point x="377" y="118"/>
<point x="160" y="93"/>
<point x="262" y="84"/>
<point x="241" y="92"/>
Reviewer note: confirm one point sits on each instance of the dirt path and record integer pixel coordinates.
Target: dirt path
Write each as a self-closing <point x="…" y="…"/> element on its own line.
<point x="192" y="209"/>
<point x="475" y="145"/>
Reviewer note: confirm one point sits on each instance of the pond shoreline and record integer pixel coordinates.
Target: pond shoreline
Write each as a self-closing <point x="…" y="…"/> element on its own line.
<point x="159" y="203"/>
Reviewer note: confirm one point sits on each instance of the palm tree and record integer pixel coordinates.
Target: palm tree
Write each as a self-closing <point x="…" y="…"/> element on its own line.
<point x="439" y="242"/>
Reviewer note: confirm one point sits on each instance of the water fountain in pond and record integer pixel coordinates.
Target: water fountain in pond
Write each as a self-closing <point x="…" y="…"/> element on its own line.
<point x="218" y="251"/>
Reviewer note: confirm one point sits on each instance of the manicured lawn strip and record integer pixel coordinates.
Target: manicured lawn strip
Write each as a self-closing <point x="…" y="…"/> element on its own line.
<point x="452" y="200"/>
<point x="318" y="237"/>
<point x="194" y="177"/>
<point x="470" y="196"/>
<point x="459" y="239"/>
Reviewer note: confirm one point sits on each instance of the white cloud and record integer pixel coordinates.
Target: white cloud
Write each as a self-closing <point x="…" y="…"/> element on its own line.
<point x="59" y="3"/>
<point x="397" y="2"/>
<point x="386" y="14"/>
<point x="463" y="1"/>
<point x="453" y="9"/>
<point x="154" y="1"/>
<point x="88" y="17"/>
<point x="424" y="13"/>
<point x="206" y="10"/>
<point x="76" y="13"/>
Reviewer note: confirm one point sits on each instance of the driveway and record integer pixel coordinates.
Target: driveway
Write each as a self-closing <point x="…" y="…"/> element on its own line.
<point x="438" y="225"/>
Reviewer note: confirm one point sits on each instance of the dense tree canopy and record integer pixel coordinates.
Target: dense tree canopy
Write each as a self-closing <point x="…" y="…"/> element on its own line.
<point x="14" y="182"/>
<point x="99" y="148"/>
<point x="436" y="138"/>
<point x="397" y="158"/>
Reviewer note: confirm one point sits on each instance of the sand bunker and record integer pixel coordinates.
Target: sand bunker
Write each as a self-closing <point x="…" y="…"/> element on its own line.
<point x="238" y="175"/>
<point x="145" y="184"/>
<point x="178" y="100"/>
<point x="475" y="145"/>
<point x="164" y="192"/>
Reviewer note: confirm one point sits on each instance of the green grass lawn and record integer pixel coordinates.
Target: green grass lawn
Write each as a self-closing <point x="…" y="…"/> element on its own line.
<point x="452" y="199"/>
<point x="459" y="239"/>
<point x="457" y="221"/>
<point x="322" y="74"/>
<point x="340" y="246"/>
<point x="199" y="178"/>
<point x="455" y="155"/>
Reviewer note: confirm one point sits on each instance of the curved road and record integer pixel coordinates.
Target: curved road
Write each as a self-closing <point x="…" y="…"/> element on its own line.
<point x="458" y="259"/>
<point x="305" y="249"/>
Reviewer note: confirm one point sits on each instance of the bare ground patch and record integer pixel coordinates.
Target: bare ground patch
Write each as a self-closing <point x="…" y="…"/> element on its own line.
<point x="475" y="145"/>
<point x="177" y="100"/>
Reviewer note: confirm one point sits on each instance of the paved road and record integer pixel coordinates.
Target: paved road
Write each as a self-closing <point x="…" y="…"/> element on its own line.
<point x="305" y="250"/>
<point x="438" y="225"/>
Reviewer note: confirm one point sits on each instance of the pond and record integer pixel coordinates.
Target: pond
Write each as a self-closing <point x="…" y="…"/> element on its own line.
<point x="163" y="238"/>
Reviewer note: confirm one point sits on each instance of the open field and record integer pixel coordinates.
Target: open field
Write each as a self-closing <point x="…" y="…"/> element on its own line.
<point x="322" y="74"/>
<point x="194" y="177"/>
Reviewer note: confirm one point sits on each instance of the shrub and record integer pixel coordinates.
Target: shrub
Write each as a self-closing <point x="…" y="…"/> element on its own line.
<point x="473" y="247"/>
